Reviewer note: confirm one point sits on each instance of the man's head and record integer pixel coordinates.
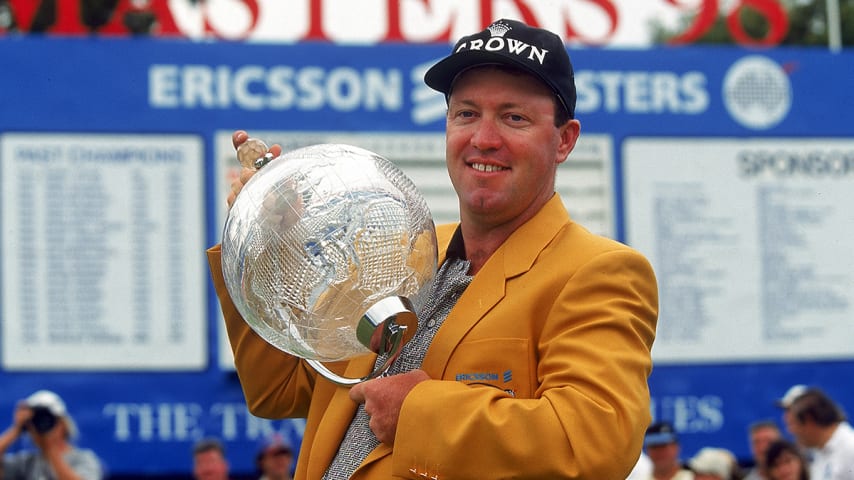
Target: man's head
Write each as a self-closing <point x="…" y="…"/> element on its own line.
<point x="209" y="462"/>
<point x="274" y="458"/>
<point x="49" y="411"/>
<point x="504" y="140"/>
<point x="812" y="418"/>
<point x="787" y="399"/>
<point x="762" y="434"/>
<point x="662" y="446"/>
<point x="515" y="45"/>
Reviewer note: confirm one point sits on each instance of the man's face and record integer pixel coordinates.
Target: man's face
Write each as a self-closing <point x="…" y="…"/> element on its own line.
<point x="664" y="457"/>
<point x="503" y="148"/>
<point x="798" y="429"/>
<point x="276" y="463"/>
<point x="806" y="432"/>
<point x="759" y="441"/>
<point x="210" y="465"/>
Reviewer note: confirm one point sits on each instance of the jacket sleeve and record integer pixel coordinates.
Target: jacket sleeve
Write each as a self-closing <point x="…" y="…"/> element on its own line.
<point x="275" y="384"/>
<point x="590" y="407"/>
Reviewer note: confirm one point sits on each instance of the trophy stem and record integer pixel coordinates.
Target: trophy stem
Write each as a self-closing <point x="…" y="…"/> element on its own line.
<point x="384" y="328"/>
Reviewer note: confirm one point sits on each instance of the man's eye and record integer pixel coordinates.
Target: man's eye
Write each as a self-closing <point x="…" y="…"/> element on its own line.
<point x="515" y="118"/>
<point x="466" y="114"/>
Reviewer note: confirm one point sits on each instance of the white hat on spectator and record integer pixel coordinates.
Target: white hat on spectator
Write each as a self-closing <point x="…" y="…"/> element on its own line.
<point x="713" y="461"/>
<point x="791" y="395"/>
<point x="54" y="404"/>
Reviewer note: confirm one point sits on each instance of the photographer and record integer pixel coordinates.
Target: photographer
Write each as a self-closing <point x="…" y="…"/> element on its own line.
<point x="44" y="418"/>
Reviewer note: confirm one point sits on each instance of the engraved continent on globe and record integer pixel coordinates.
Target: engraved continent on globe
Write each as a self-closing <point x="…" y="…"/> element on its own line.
<point x="316" y="238"/>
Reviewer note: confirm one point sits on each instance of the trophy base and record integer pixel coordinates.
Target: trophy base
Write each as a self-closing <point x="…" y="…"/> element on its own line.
<point x="384" y="329"/>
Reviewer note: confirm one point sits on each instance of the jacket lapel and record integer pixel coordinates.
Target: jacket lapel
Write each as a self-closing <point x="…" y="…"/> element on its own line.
<point x="514" y="257"/>
<point x="487" y="288"/>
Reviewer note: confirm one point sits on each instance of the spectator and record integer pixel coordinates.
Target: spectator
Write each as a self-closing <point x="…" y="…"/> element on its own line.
<point x="209" y="460"/>
<point x="274" y="459"/>
<point x="785" y="461"/>
<point x="762" y="434"/>
<point x="788" y="398"/>
<point x="714" y="464"/>
<point x="662" y="446"/>
<point x="44" y="417"/>
<point x="819" y="424"/>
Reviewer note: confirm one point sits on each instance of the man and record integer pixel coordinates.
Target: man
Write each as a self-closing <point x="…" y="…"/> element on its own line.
<point x="538" y="348"/>
<point x="818" y="424"/>
<point x="662" y="445"/>
<point x="788" y="399"/>
<point x="762" y="434"/>
<point x="44" y="417"/>
<point x="274" y="459"/>
<point x="209" y="461"/>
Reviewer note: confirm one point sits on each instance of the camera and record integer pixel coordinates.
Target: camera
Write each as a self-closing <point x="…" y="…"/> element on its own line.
<point x="43" y="420"/>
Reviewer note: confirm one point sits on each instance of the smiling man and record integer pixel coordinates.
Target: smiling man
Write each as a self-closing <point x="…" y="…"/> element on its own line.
<point x="532" y="353"/>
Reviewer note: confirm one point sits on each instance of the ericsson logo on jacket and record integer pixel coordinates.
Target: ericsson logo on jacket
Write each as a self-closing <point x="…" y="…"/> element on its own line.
<point x="492" y="379"/>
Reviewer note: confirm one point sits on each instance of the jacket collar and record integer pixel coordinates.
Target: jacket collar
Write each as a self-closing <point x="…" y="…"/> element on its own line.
<point x="513" y="258"/>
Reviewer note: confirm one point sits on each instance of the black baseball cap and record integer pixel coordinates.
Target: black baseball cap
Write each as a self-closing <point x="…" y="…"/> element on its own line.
<point x="660" y="433"/>
<point x="513" y="43"/>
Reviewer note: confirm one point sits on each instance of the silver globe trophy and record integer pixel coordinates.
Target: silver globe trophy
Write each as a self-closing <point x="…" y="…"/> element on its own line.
<point x="327" y="253"/>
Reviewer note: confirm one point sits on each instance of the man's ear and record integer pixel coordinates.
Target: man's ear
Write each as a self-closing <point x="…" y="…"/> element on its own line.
<point x="568" y="133"/>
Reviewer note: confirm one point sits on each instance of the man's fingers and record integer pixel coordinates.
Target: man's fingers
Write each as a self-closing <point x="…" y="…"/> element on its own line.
<point x="245" y="175"/>
<point x="238" y="137"/>
<point x="357" y="393"/>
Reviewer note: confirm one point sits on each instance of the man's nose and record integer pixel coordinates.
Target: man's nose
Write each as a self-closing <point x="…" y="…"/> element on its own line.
<point x="486" y="135"/>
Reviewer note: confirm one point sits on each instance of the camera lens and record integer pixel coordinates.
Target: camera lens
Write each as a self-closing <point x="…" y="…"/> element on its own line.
<point x="42" y="420"/>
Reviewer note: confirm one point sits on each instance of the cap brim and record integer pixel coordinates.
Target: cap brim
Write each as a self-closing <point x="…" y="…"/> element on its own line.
<point x="657" y="439"/>
<point x="442" y="75"/>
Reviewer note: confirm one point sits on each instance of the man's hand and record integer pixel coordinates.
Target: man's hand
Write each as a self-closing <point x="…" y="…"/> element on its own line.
<point x="383" y="398"/>
<point x="237" y="139"/>
<point x="51" y="442"/>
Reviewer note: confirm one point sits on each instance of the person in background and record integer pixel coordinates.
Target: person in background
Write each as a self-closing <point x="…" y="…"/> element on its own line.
<point x="662" y="445"/>
<point x="209" y="460"/>
<point x="275" y="459"/>
<point x="785" y="461"/>
<point x="788" y="398"/>
<point x="44" y="417"/>
<point x="761" y="435"/>
<point x="819" y="424"/>
<point x="562" y="320"/>
<point x="714" y="464"/>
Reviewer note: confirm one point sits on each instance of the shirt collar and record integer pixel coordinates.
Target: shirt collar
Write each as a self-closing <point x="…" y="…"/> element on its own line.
<point x="457" y="246"/>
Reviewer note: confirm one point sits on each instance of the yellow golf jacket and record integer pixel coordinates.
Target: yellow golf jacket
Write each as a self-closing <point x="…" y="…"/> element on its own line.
<point x="539" y="371"/>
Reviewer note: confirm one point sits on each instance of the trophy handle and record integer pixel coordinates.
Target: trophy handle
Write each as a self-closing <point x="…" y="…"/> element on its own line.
<point x="384" y="328"/>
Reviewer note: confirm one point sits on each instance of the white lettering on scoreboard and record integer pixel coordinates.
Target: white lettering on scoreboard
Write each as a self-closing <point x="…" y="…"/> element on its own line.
<point x="103" y="239"/>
